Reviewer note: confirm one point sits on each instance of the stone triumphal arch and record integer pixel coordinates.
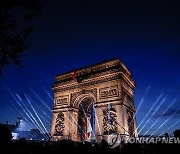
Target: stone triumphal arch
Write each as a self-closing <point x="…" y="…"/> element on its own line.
<point x="93" y="102"/>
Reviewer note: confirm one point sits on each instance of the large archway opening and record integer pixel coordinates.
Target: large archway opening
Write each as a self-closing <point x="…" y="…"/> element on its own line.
<point x="86" y="120"/>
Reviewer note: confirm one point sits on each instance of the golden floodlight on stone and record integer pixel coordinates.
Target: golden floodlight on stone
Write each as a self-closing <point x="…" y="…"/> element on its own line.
<point x="105" y="88"/>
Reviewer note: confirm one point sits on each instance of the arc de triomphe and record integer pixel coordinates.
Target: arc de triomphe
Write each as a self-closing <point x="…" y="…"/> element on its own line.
<point x="93" y="102"/>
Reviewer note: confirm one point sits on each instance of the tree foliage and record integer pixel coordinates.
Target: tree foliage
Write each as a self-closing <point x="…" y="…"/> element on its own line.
<point x="14" y="28"/>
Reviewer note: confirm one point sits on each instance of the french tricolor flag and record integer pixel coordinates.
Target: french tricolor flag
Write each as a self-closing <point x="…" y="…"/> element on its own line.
<point x="89" y="130"/>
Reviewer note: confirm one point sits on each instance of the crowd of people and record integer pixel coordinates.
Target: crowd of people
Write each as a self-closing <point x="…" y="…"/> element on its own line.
<point x="23" y="146"/>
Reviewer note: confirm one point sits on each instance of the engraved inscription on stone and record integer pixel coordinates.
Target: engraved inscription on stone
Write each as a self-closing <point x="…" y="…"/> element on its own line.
<point x="109" y="92"/>
<point x="62" y="100"/>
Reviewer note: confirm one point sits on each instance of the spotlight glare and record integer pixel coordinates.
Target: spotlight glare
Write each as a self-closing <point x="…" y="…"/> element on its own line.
<point x="152" y="116"/>
<point x="171" y="104"/>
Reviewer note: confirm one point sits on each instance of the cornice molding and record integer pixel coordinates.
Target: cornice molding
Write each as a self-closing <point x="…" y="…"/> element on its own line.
<point x="94" y="70"/>
<point x="92" y="81"/>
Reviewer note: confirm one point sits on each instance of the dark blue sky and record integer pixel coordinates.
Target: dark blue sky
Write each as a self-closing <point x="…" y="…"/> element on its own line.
<point x="71" y="34"/>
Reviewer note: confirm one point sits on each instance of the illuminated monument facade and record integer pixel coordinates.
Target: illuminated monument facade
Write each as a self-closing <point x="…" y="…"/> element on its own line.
<point x="93" y="102"/>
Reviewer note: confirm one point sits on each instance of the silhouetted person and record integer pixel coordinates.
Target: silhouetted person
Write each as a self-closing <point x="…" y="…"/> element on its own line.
<point x="5" y="139"/>
<point x="166" y="135"/>
<point x="104" y="146"/>
<point x="176" y="133"/>
<point x="22" y="147"/>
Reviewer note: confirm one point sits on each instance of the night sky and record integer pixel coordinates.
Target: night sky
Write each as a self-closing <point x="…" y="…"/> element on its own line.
<point x="73" y="34"/>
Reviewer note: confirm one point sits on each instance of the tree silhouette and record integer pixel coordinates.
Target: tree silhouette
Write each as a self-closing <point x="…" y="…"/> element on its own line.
<point x="14" y="28"/>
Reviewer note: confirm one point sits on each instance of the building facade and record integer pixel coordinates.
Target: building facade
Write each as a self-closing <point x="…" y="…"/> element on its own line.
<point x="94" y="102"/>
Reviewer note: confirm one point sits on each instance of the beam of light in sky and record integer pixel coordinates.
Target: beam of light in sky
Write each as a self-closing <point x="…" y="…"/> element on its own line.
<point x="37" y="124"/>
<point x="31" y="117"/>
<point x="177" y="127"/>
<point x="15" y="107"/>
<point x="157" y="100"/>
<point x="33" y="120"/>
<point x="35" y="112"/>
<point x="170" y="128"/>
<point x="40" y="99"/>
<point x="44" y="118"/>
<point x="47" y="116"/>
<point x="168" y="118"/>
<point x="15" y="99"/>
<point x="42" y="111"/>
<point x="151" y="109"/>
<point x="152" y="116"/>
<point x="25" y="124"/>
<point x="23" y="108"/>
<point x="171" y="104"/>
<point x="28" y="111"/>
<point x="35" y="135"/>
<point x="140" y="104"/>
<point x="47" y="93"/>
